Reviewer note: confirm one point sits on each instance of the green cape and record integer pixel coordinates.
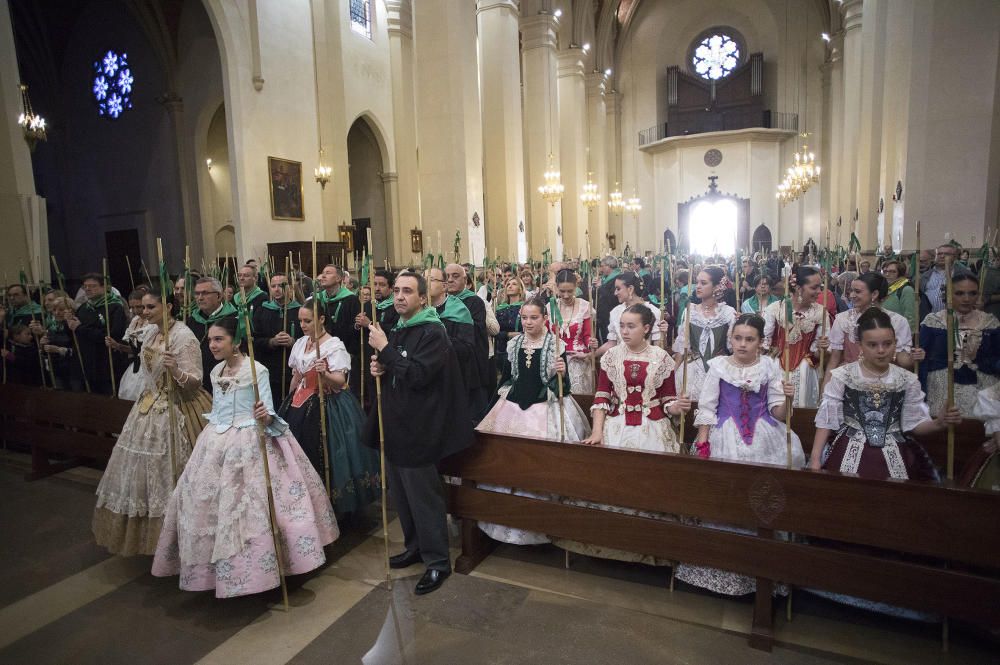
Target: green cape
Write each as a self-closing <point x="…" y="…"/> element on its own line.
<point x="426" y="315"/>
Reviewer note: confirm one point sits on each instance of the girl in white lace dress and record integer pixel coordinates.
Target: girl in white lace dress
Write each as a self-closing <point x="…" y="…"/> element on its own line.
<point x="133" y="493"/>
<point x="570" y="318"/>
<point x="218" y="534"/>
<point x="711" y="324"/>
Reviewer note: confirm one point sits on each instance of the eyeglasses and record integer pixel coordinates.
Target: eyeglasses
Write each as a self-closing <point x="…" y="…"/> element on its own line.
<point x="198" y="294"/>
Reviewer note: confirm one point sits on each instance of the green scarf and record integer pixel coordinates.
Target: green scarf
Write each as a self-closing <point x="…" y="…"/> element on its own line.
<point x="426" y="315"/>
<point x="227" y="310"/>
<point x="384" y="304"/>
<point x="338" y="297"/>
<point x="275" y="307"/>
<point x="611" y="277"/>
<point x="29" y="310"/>
<point x="465" y="294"/>
<point x="755" y="302"/>
<point x="455" y="310"/>
<point x="505" y="305"/>
<point x="109" y="298"/>
<point x="253" y="293"/>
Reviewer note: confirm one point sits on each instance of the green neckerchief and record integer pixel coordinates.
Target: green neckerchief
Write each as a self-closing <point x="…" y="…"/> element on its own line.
<point x="50" y="323"/>
<point x="465" y="294"/>
<point x="644" y="272"/>
<point x="504" y="305"/>
<point x="426" y="315"/>
<point x="338" y="298"/>
<point x="455" y="310"/>
<point x="384" y="304"/>
<point x="109" y="298"/>
<point x="226" y="310"/>
<point x="653" y="299"/>
<point x="611" y="277"/>
<point x="754" y="302"/>
<point x="29" y="310"/>
<point x="273" y="306"/>
<point x="324" y="299"/>
<point x="253" y="293"/>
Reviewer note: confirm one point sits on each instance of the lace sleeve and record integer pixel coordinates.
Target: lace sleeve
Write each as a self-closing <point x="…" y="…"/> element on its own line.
<point x="768" y="330"/>
<point x="337" y="358"/>
<point x="708" y="401"/>
<point x="904" y="335"/>
<point x="679" y="341"/>
<point x="837" y="334"/>
<point x="775" y="394"/>
<point x="830" y="414"/>
<point x="188" y="354"/>
<point x="987" y="409"/>
<point x="915" y="410"/>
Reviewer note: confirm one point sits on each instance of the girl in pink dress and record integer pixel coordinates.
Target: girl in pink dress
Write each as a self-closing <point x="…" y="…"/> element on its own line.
<point x="217" y="529"/>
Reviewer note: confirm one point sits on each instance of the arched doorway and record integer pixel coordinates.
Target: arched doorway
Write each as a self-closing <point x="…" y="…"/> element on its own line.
<point x="368" y="209"/>
<point x="669" y="241"/>
<point x="217" y="198"/>
<point x="761" y="240"/>
<point x="713" y="223"/>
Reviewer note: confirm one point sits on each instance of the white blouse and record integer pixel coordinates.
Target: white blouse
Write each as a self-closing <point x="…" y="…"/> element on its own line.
<point x="845" y="326"/>
<point x="724" y="316"/>
<point x="614" y="323"/>
<point x="332" y="349"/>
<point x="830" y="414"/>
<point x="987" y="408"/>
<point x="752" y="378"/>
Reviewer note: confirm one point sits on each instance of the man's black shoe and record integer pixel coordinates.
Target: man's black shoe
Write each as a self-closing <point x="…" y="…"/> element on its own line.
<point x="405" y="559"/>
<point x="430" y="581"/>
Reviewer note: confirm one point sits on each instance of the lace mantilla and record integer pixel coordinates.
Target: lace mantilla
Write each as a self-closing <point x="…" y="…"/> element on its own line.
<point x="802" y="323"/>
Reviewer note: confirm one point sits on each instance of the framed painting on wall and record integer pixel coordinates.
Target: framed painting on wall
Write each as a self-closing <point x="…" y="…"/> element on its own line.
<point x="286" y="189"/>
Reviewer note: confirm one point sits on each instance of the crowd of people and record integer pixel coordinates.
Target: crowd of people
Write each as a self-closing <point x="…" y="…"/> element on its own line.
<point x="449" y="350"/>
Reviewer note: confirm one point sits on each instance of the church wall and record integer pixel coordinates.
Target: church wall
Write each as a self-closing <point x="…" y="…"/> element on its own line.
<point x="659" y="37"/>
<point x="105" y="174"/>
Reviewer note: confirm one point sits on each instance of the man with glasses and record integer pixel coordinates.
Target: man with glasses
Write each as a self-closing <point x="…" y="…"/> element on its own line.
<point x="932" y="282"/>
<point x="208" y="308"/>
<point x="456" y="283"/>
<point x="457" y="322"/>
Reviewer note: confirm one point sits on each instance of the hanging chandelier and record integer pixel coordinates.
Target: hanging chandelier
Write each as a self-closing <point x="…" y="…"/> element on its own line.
<point x="633" y="206"/>
<point x="322" y="173"/>
<point x="799" y="177"/>
<point x="552" y="190"/>
<point x="615" y="201"/>
<point x="590" y="198"/>
<point x="32" y="124"/>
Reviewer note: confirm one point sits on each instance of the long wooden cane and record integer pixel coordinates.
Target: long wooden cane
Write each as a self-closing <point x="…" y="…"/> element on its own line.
<point x="916" y="304"/>
<point x="131" y="277"/>
<point x="171" y="442"/>
<point x="187" y="278"/>
<point x="559" y="379"/>
<point x="107" y="327"/>
<point x="319" y="386"/>
<point x="593" y="315"/>
<point x="38" y="347"/>
<point x="950" y="402"/>
<point x="361" y="331"/>
<point x="671" y="329"/>
<point x="284" y="328"/>
<point x="687" y="349"/>
<point x="262" y="440"/>
<point x="822" y="352"/>
<point x="381" y="435"/>
<point x="663" y="296"/>
<point x="72" y="333"/>
<point x="785" y="315"/>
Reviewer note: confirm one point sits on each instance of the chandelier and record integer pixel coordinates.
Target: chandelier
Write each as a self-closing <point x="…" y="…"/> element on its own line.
<point x="590" y="198"/>
<point x="615" y="201"/>
<point x="322" y="173"/>
<point x="552" y="190"/>
<point x="799" y="177"/>
<point x="32" y="125"/>
<point x="633" y="206"/>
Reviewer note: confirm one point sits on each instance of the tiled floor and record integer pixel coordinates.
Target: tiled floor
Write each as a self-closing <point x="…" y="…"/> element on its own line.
<point x="62" y="600"/>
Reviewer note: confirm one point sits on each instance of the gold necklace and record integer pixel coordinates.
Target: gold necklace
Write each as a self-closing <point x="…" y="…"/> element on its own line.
<point x="877" y="389"/>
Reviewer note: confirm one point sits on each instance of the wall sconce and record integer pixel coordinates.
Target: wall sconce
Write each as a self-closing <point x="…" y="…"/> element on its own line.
<point x="208" y="163"/>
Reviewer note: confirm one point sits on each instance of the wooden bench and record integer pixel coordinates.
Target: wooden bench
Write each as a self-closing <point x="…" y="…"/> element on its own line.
<point x="948" y="536"/>
<point x="73" y="426"/>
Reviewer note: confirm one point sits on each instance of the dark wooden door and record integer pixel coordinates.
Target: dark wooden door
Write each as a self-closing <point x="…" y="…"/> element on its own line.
<point x="119" y="245"/>
<point x="361" y="226"/>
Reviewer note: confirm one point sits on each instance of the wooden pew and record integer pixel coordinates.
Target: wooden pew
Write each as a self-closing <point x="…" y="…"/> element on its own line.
<point x="75" y="426"/>
<point x="949" y="537"/>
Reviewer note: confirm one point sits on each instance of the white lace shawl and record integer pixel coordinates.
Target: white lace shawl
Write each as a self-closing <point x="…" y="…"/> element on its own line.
<point x="766" y="371"/>
<point x="830" y="414"/>
<point x="724" y="316"/>
<point x="661" y="365"/>
<point x="774" y="318"/>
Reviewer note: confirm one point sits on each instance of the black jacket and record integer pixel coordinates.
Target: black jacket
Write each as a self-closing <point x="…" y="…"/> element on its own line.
<point x="425" y="406"/>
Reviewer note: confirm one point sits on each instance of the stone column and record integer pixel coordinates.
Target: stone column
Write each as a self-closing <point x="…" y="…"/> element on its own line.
<point x="187" y="177"/>
<point x="597" y="123"/>
<point x="400" y="24"/>
<point x="573" y="148"/>
<point x="503" y="144"/>
<point x="449" y="123"/>
<point x="541" y="129"/>
<point x="613" y="105"/>
<point x="852" y="73"/>
<point x="870" y="129"/>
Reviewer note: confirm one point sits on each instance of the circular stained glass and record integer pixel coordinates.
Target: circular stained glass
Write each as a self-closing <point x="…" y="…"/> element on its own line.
<point x="112" y="85"/>
<point x="716" y="56"/>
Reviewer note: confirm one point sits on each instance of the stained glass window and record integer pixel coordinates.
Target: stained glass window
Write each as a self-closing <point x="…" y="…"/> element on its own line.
<point x="361" y="22"/>
<point x="113" y="83"/>
<point x="716" y="56"/>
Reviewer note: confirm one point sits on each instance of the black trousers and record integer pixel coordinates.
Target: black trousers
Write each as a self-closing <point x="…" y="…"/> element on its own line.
<point x="418" y="498"/>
